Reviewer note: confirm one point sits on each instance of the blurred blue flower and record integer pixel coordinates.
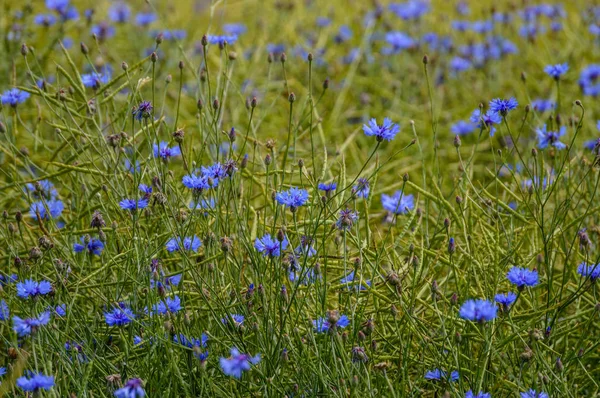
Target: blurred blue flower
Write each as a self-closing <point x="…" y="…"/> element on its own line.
<point x="14" y="97"/>
<point x="398" y="203"/>
<point x="591" y="271"/>
<point x="238" y="363"/>
<point x="387" y="131"/>
<point x="24" y="327"/>
<point x="190" y="243"/>
<point x="35" y="382"/>
<point x="550" y="138"/>
<point x="478" y="310"/>
<point x="94" y="246"/>
<point x="133" y="388"/>
<point x="119" y="12"/>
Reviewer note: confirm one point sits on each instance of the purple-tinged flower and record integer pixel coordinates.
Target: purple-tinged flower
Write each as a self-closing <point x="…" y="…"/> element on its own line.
<point x="505" y="299"/>
<point x="119" y="316"/>
<point x="589" y="80"/>
<point x="95" y="80"/>
<point x="487" y="120"/>
<point x="522" y="277"/>
<point x="103" y="30"/>
<point x="238" y="363"/>
<point x="145" y="189"/>
<point x="35" y="382"/>
<point x="292" y="198"/>
<point x="398" y="203"/>
<point x="591" y="271"/>
<point x="190" y="243"/>
<point x="93" y="246"/>
<point x="542" y="105"/>
<point x="478" y="310"/>
<point x="343" y="34"/>
<point x="132" y="204"/>
<point x="269" y="246"/>
<point x="235" y="319"/>
<point x="387" y="131"/>
<point x="167" y="282"/>
<point x="42" y="188"/>
<point x="24" y="327"/>
<point x="305" y="246"/>
<point x="503" y="106"/>
<point x="198" y="183"/>
<point x="119" y="12"/>
<point x="164" y="151"/>
<point x="190" y="342"/>
<point x="327" y="188"/>
<point x="362" y="188"/>
<point x="460" y="64"/>
<point x="44" y="19"/>
<point x="412" y="9"/>
<point x="143" y="111"/>
<point x="214" y="173"/>
<point x="462" y="127"/>
<point x="4" y="310"/>
<point x="45" y="210"/>
<point x="145" y="18"/>
<point x="133" y="388"/>
<point x="346" y="219"/>
<point x="166" y="306"/>
<point x="221" y="40"/>
<point x="14" y="97"/>
<point x="61" y="310"/>
<point x="441" y="375"/>
<point x="550" y="138"/>
<point x="129" y="166"/>
<point x="235" y="29"/>
<point x="556" y="71"/>
<point x="534" y="394"/>
<point x="332" y="321"/>
<point x="480" y="394"/>
<point x="31" y="288"/>
<point x="397" y="42"/>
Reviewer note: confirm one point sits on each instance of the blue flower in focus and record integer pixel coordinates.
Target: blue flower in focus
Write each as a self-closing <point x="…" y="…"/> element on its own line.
<point x="166" y="306"/>
<point x="4" y="310"/>
<point x="119" y="316"/>
<point x="480" y="394"/>
<point x="45" y="210"/>
<point x="31" y="288"/>
<point x="14" y="97"/>
<point x="327" y="187"/>
<point x="323" y="325"/>
<point x="533" y="394"/>
<point x="237" y="319"/>
<point x="164" y="151"/>
<point x="487" y="120"/>
<point x="556" y="71"/>
<point x="478" y="310"/>
<point x="24" y="327"/>
<point x="522" y="277"/>
<point x="346" y="219"/>
<point x="398" y="203"/>
<point x="132" y="204"/>
<point x="550" y="138"/>
<point x="269" y="246"/>
<point x="591" y="271"/>
<point x="198" y="183"/>
<point x="94" y="246"/>
<point x="94" y="80"/>
<point x="190" y="243"/>
<point x="133" y="388"/>
<point x="143" y="111"/>
<point x="503" y="106"/>
<point x="362" y="188"/>
<point x="238" y="363"/>
<point x="440" y="375"/>
<point x="292" y="198"/>
<point x="214" y="173"/>
<point x="505" y="299"/>
<point x="35" y="382"/>
<point x="387" y="131"/>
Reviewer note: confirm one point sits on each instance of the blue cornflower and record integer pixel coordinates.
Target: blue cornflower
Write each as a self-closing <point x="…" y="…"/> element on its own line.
<point x="203" y="204"/>
<point x="503" y="106"/>
<point x="119" y="12"/>
<point x="478" y="310"/>
<point x="94" y="80"/>
<point x="397" y="42"/>
<point x="533" y="394"/>
<point x="137" y="340"/>
<point x="14" y="97"/>
<point x="591" y="271"/>
<point x="506" y="299"/>
<point x="190" y="342"/>
<point x="2" y="371"/>
<point x="190" y="243"/>
<point x="487" y="120"/>
<point x="323" y="325"/>
<point x="522" y="277"/>
<point x="350" y="280"/>
<point x="57" y="5"/>
<point x="305" y="246"/>
<point x="94" y="246"/>
<point x="145" y="188"/>
<point x="221" y="40"/>
<point x="44" y="19"/>
<point x="132" y="204"/>
<point x="323" y="22"/>
<point x="235" y="29"/>
<point x="4" y="310"/>
<point x="119" y="316"/>
<point x="168" y="305"/>
<point x="275" y="49"/>
<point x="145" y="18"/>
<point x="460" y="64"/>
<point x="269" y="246"/>
<point x="292" y="198"/>
<point x="556" y="71"/>
<point x="480" y="394"/>
<point x="214" y="173"/>
<point x="103" y="30"/>
<point x="327" y="187"/>
<point x="398" y="203"/>
<point x="196" y="182"/>
<point x="387" y="131"/>
<point x="133" y="388"/>
<point x="346" y="219"/>
<point x="43" y="188"/>
<point x="344" y="34"/>
<point x="412" y="9"/>
<point x="6" y="279"/>
<point x="164" y="151"/>
<point x="238" y="363"/>
<point x="61" y="310"/>
<point x="31" y="288"/>
<point x="550" y="138"/>
<point x="310" y="276"/>
<point x="462" y="127"/>
<point x="589" y="80"/>
<point x="362" y="188"/>
<point x="143" y="111"/>
<point x="237" y="319"/>
<point x="542" y="105"/>
<point x="24" y="327"/>
<point x="167" y="282"/>
<point x="35" y="382"/>
<point x="52" y="208"/>
<point x="441" y="375"/>
<point x="129" y="166"/>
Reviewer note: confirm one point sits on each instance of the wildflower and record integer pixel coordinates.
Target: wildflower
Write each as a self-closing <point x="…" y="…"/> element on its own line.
<point x="588" y="80"/>
<point x="44" y="210"/>
<point x="119" y="316"/>
<point x="31" y="288"/>
<point x="350" y="281"/>
<point x="487" y="120"/>
<point x="35" y="382"/>
<point x="24" y="327"/>
<point x="167" y="282"/>
<point x="506" y="299"/>
<point x="221" y="40"/>
<point x="327" y="188"/>
<point x="556" y="71"/>
<point x="164" y="151"/>
<point x="398" y="203"/>
<point x="591" y="271"/>
<point x="503" y="106"/>
<point x="4" y="280"/>
<point x="359" y="355"/>
<point x="522" y="277"/>
<point x="44" y="19"/>
<point x="119" y="12"/>
<point x="460" y="64"/>
<point x="42" y="188"/>
<point x="132" y="204"/>
<point x="542" y="105"/>
<point x="145" y="18"/>
<point x="103" y="31"/>
<point x="143" y="111"/>
<point x="14" y="97"/>
<point x="343" y="34"/>
<point x="440" y="375"/>
<point x="169" y="305"/>
<point x="292" y="198"/>
<point x="308" y="277"/>
<point x="132" y="389"/>
<point x="195" y="182"/>
<point x="130" y="167"/>
<point x="145" y="189"/>
<point x="215" y="173"/>
<point x="236" y="318"/>
<point x="323" y="325"/>
<point x="346" y="219"/>
<point x="533" y="394"/>
<point x="462" y="128"/>
<point x="190" y="342"/>
<point x="551" y="138"/>
<point x="305" y="246"/>
<point x="480" y="394"/>
<point x="269" y="246"/>
<point x="362" y="188"/>
<point x="190" y="243"/>
<point x="4" y="310"/>
<point x="387" y="131"/>
<point x="238" y="363"/>
<point x="234" y="28"/>
<point x="61" y="310"/>
<point x="412" y="9"/>
<point x="94" y="246"/>
<point x="94" y="80"/>
<point x="478" y="310"/>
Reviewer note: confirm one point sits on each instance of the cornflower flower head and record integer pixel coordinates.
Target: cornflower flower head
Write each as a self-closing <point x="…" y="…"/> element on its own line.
<point x="556" y="71"/>
<point x="183" y="340"/>
<point x="235" y="319"/>
<point x="441" y="375"/>
<point x="93" y="246"/>
<point x="522" y="277"/>
<point x="145" y="18"/>
<point x="95" y="80"/>
<point x="119" y="316"/>
<point x="24" y="327"/>
<point x="46" y="209"/>
<point x="292" y="198"/>
<point x="269" y="246"/>
<point x="166" y="282"/>
<point x="30" y="288"/>
<point x="43" y="188"/>
<point x="480" y="394"/>
<point x="305" y="246"/>
<point x="398" y="203"/>
<point x="410" y="10"/>
<point x="214" y="173"/>
<point x="142" y="111"/>
<point x="534" y="394"/>
<point x="169" y="305"/>
<point x="4" y="310"/>
<point x="14" y="97"/>
<point x="478" y="310"/>
<point x="35" y="382"/>
<point x="133" y="388"/>
<point x="331" y="322"/>
<point x="503" y="106"/>
<point x="387" y="131"/>
<point x="221" y="40"/>
<point x="197" y="183"/>
<point x="165" y="152"/>
<point x="362" y="188"/>
<point x="486" y="120"/>
<point x="463" y="127"/>
<point x="119" y="12"/>
<point x="238" y="363"/>
<point x="133" y="205"/>
<point x="190" y="243"/>
<point x="542" y="105"/>
<point x="352" y="281"/>
<point x="346" y="219"/>
<point x="591" y="271"/>
<point x="327" y="188"/>
<point x="505" y="299"/>
<point x="550" y="138"/>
